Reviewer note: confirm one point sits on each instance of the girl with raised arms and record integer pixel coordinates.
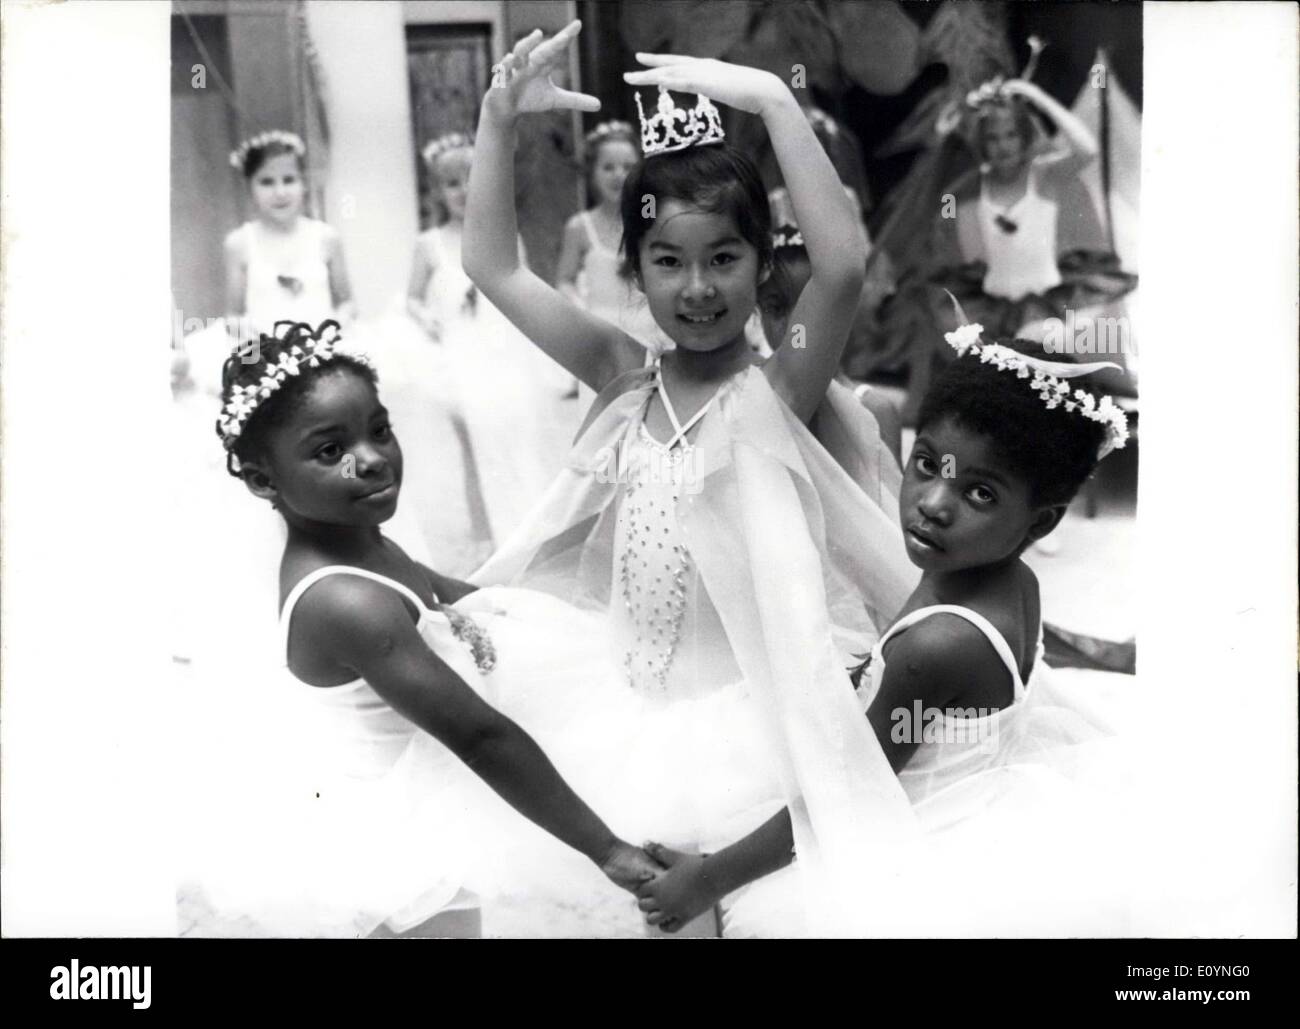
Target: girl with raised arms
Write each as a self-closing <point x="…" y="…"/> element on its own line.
<point x="733" y="562"/>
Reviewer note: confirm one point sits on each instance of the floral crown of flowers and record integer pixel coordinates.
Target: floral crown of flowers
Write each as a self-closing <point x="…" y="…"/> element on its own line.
<point x="787" y="236"/>
<point x="308" y="348"/>
<point x="263" y="139"/>
<point x="1047" y="379"/>
<point x="445" y="144"/>
<point x="701" y="125"/>
<point x="606" y="129"/>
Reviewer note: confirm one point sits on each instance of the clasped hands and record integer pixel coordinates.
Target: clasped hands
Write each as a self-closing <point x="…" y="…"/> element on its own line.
<point x="671" y="887"/>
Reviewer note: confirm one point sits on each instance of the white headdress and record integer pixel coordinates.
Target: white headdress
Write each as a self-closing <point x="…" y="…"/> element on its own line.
<point x="240" y="154"/>
<point x="1047" y="379"/>
<point x="701" y="125"/>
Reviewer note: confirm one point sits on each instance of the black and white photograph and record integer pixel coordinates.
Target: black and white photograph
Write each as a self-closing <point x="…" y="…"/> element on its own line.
<point x="656" y="470"/>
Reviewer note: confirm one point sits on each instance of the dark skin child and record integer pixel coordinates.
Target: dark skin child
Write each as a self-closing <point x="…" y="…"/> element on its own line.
<point x="334" y="472"/>
<point x="966" y="518"/>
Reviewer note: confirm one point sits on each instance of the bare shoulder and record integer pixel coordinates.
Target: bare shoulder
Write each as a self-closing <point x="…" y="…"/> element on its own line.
<point x="938" y="644"/>
<point x="944" y="658"/>
<point x="235" y="244"/>
<point x="341" y="614"/>
<point x="574" y="230"/>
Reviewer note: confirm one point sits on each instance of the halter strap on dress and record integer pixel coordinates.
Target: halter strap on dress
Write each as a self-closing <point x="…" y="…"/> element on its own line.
<point x="680" y="430"/>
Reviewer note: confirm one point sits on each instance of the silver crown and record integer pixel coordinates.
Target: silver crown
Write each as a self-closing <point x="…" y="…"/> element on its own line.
<point x="701" y="125"/>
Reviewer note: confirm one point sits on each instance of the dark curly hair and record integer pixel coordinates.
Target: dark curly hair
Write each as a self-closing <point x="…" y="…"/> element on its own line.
<point x="1053" y="450"/>
<point x="716" y="178"/>
<point x="247" y="364"/>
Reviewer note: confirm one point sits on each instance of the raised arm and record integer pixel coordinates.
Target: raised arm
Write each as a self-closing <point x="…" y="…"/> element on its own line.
<point x="365" y="628"/>
<point x="592" y="349"/>
<point x="801" y="370"/>
<point x="1079" y="144"/>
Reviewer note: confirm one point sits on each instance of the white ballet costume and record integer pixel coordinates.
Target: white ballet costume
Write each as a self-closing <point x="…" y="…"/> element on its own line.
<point x="724" y="697"/>
<point x="1019" y="831"/>
<point x="321" y="811"/>
<point x="1023" y="261"/>
<point x="508" y="393"/>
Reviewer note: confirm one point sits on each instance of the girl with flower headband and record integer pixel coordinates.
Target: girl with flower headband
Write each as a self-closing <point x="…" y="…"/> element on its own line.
<point x="590" y="270"/>
<point x="991" y="769"/>
<point x="281" y="264"/>
<point x="505" y="397"/>
<point x="366" y="814"/>
<point x="732" y="561"/>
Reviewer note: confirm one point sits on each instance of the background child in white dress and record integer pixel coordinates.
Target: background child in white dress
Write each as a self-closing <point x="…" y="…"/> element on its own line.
<point x="590" y="270"/>
<point x="506" y="397"/>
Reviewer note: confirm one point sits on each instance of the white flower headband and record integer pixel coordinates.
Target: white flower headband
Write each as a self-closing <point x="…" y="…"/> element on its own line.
<point x="446" y="143"/>
<point x="311" y="349"/>
<point x="605" y="129"/>
<point x="990" y="92"/>
<point x="1047" y="379"/>
<point x="240" y="154"/>
<point x="787" y="236"/>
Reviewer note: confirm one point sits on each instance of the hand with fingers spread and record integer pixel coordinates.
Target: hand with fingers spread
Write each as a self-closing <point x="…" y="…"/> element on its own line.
<point x="680" y="893"/>
<point x="746" y="89"/>
<point x="521" y="83"/>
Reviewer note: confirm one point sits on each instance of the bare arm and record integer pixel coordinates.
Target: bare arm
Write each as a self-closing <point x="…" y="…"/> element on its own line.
<point x="340" y="285"/>
<point x="590" y="348"/>
<point x="422" y="270"/>
<point x="1078" y="144"/>
<point x="573" y="249"/>
<point x="236" y="276"/>
<point x="366" y="629"/>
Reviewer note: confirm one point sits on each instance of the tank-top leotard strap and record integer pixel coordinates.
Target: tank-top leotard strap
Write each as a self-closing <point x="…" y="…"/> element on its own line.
<point x="589" y="224"/>
<point x="310" y="579"/>
<point x="991" y="633"/>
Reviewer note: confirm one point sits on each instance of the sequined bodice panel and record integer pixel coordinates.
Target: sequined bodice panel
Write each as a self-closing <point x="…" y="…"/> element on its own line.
<point x="670" y="639"/>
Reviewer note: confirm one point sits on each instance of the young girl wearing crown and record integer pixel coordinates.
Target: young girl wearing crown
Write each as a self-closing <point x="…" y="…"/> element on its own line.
<point x="504" y="394"/>
<point x="725" y="550"/>
<point x="363" y="812"/>
<point x="956" y="690"/>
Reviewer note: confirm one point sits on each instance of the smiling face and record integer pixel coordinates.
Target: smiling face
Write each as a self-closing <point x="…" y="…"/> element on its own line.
<point x="961" y="507"/>
<point x="277" y="188"/>
<point x="700" y="277"/>
<point x="614" y="159"/>
<point x="335" y="460"/>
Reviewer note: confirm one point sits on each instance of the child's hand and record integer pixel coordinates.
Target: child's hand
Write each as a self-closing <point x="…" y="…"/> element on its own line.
<point x="521" y="83"/>
<point x="746" y="89"/>
<point x="629" y="867"/>
<point x="675" y="896"/>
